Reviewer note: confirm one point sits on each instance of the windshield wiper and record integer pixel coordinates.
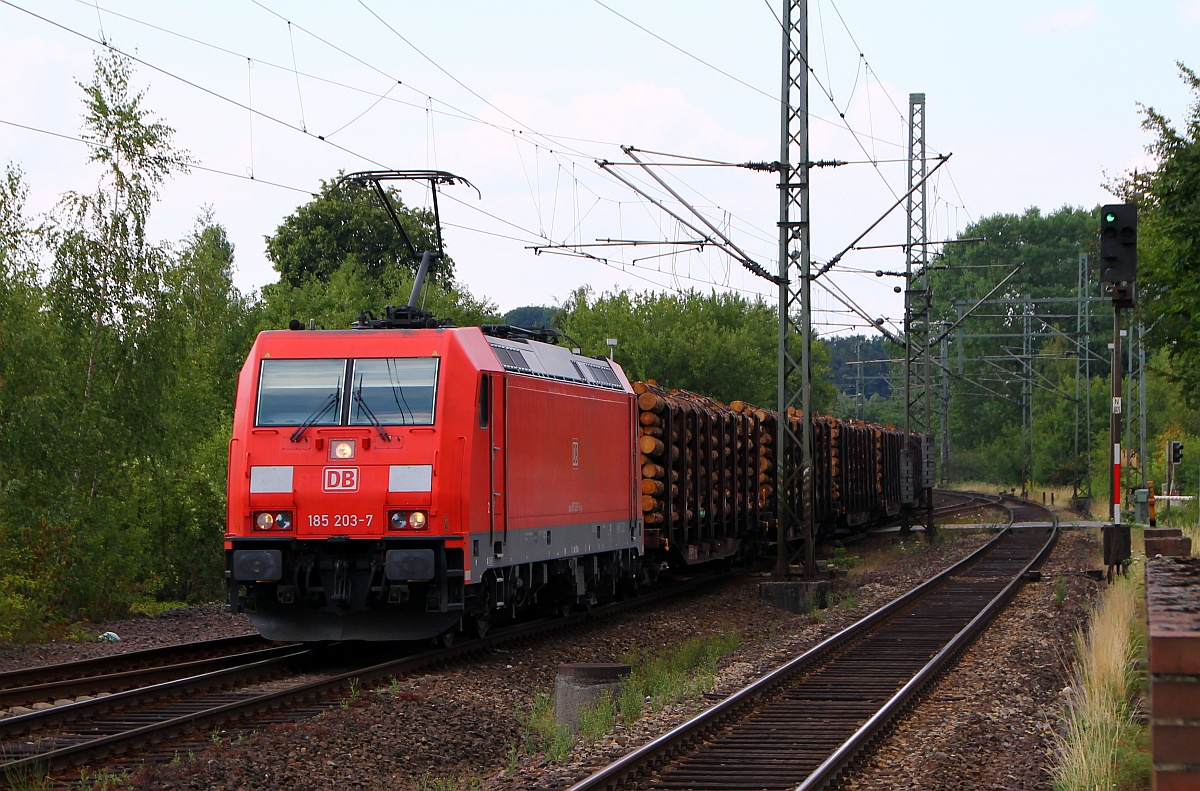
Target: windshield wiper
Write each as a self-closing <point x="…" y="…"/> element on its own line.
<point x="366" y="410"/>
<point x="328" y="404"/>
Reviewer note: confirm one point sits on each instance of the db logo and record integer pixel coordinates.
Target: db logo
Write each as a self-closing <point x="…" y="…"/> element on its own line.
<point x="340" y="479"/>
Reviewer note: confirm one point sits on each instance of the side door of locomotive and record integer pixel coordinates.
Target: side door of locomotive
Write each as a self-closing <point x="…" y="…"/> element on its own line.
<point x="498" y="508"/>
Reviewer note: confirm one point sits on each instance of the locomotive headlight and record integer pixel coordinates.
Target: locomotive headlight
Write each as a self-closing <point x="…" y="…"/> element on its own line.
<point x="272" y="520"/>
<point x="404" y="520"/>
<point x="342" y="449"/>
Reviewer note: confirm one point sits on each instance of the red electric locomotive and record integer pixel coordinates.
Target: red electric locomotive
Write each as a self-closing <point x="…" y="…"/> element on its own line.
<point x="385" y="483"/>
<point x="394" y="480"/>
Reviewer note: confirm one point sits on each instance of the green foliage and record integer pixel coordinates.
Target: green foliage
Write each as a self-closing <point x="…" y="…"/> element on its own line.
<point x="858" y="365"/>
<point x="1014" y="358"/>
<point x="720" y="345"/>
<point x="630" y="702"/>
<point x="597" y="720"/>
<point x="686" y="670"/>
<point x="1169" y="236"/>
<point x="351" y="290"/>
<point x="840" y="557"/>
<point x="102" y="780"/>
<point x="532" y="316"/>
<point x="543" y="734"/>
<point x="845" y="600"/>
<point x="118" y="364"/>
<point x="346" y="224"/>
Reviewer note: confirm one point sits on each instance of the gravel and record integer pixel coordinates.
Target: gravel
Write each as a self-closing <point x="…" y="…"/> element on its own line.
<point x="180" y="625"/>
<point x="988" y="724"/>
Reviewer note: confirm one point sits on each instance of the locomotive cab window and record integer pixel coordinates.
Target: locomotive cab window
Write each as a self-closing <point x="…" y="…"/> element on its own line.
<point x="291" y="392"/>
<point x="397" y="391"/>
<point x="394" y="391"/>
<point x="485" y="400"/>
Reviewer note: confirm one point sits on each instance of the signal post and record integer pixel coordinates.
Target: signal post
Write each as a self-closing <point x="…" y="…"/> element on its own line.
<point x="1118" y="273"/>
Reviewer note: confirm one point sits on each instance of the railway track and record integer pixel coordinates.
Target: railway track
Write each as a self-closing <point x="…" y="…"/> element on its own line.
<point x="118" y="672"/>
<point x="801" y="726"/>
<point x="279" y="683"/>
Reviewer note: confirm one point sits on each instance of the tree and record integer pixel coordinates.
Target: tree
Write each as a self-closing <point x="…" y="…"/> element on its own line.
<point x="350" y="291"/>
<point x="345" y="223"/>
<point x="532" y="316"/>
<point x="119" y="364"/>
<point x="1015" y="355"/>
<point x="719" y="345"/>
<point x="1169" y="237"/>
<point x="211" y="324"/>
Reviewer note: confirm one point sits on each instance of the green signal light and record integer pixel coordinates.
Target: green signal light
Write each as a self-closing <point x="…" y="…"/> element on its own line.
<point x="1110" y="217"/>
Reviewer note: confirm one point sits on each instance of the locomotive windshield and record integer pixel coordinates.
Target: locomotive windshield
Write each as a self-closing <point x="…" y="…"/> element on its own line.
<point x="395" y="391"/>
<point x="291" y="392"/>
<point x="398" y="391"/>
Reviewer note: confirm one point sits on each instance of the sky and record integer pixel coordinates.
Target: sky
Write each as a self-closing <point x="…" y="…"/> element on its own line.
<point x="1036" y="102"/>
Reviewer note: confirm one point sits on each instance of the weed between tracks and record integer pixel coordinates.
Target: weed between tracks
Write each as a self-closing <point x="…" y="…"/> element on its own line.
<point x="1102" y="746"/>
<point x="655" y="680"/>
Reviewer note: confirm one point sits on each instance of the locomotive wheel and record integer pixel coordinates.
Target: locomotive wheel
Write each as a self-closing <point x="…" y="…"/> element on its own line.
<point x="653" y="570"/>
<point x="446" y="638"/>
<point x="480" y="623"/>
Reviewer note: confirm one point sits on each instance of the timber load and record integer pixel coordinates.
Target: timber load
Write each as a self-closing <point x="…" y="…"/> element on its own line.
<point x="709" y="473"/>
<point x="703" y="479"/>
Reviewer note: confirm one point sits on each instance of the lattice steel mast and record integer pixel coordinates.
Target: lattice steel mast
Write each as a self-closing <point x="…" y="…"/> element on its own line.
<point x="916" y="298"/>
<point x="795" y="289"/>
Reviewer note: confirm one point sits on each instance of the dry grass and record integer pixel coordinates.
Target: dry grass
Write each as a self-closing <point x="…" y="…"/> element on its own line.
<point x="1099" y="745"/>
<point x="1192" y="531"/>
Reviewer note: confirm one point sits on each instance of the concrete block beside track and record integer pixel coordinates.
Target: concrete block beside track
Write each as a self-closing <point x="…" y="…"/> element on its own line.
<point x="580" y="685"/>
<point x="1172" y="547"/>
<point x="796" y="596"/>
<point x="1163" y="532"/>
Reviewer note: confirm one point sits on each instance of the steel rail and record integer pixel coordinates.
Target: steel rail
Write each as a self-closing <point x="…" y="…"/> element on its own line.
<point x="662" y="749"/>
<point x="210" y="716"/>
<point x="897" y="705"/>
<point x="104" y="665"/>
<point x="123" y="680"/>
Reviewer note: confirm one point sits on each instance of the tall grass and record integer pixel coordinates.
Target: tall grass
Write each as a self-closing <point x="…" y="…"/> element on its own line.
<point x="1099" y="746"/>
<point x="656" y="678"/>
<point x="687" y="670"/>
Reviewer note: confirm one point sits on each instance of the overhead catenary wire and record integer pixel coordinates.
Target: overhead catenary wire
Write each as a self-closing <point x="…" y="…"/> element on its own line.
<point x="561" y="174"/>
<point x="192" y="83"/>
<point x="190" y="165"/>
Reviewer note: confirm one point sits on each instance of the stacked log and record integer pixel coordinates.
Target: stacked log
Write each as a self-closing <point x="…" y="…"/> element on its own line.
<point x="708" y="470"/>
<point x="699" y="463"/>
<point x="763" y="452"/>
<point x="652" y="406"/>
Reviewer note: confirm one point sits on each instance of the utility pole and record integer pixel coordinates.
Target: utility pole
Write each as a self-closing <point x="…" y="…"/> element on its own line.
<point x="1143" y="459"/>
<point x="795" y="286"/>
<point x="1027" y="453"/>
<point x="859" y="398"/>
<point x="918" y="306"/>
<point x="916" y="296"/>
<point x="943" y="474"/>
<point x="1083" y="368"/>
